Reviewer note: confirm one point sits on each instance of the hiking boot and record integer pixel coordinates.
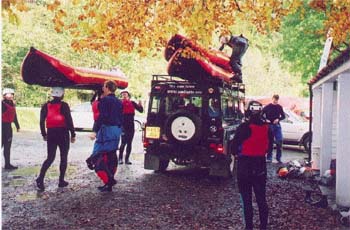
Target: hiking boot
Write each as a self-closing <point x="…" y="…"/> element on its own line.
<point x="40" y="184"/>
<point x="90" y="164"/>
<point x="107" y="188"/>
<point x="101" y="187"/>
<point x="113" y="182"/>
<point x="63" y="184"/>
<point x="10" y="167"/>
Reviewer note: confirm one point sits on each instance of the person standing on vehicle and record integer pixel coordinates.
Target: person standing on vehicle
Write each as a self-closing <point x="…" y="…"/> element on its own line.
<point x="274" y="113"/>
<point x="8" y="111"/>
<point x="56" y="115"/>
<point x="239" y="45"/>
<point x="129" y="107"/>
<point x="250" y="144"/>
<point x="107" y="130"/>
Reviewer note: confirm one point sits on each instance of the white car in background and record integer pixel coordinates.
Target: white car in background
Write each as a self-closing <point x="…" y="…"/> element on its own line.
<point x="295" y="130"/>
<point x="83" y="118"/>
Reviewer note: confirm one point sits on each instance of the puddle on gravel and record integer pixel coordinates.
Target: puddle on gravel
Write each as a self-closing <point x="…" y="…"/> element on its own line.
<point x="19" y="177"/>
<point x="27" y="196"/>
<point x="52" y="172"/>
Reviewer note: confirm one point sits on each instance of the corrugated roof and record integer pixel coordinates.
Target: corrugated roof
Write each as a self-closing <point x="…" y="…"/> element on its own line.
<point x="338" y="61"/>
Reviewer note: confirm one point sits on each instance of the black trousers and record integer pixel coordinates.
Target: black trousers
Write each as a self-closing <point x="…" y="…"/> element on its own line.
<point x="251" y="176"/>
<point x="127" y="138"/>
<point x="6" y="133"/>
<point x="56" y="137"/>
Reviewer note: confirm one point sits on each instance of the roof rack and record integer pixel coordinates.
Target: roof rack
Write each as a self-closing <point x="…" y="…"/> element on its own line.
<point x="164" y="78"/>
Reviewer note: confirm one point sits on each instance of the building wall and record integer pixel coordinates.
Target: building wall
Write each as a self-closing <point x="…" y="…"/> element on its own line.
<point x="334" y="114"/>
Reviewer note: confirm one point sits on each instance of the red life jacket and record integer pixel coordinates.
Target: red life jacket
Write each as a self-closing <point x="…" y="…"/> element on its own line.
<point x="95" y="110"/>
<point x="257" y="144"/>
<point x="9" y="115"/>
<point x="128" y="107"/>
<point x="54" y="117"/>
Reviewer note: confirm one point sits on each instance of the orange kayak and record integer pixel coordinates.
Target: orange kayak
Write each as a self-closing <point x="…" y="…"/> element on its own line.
<point x="39" y="68"/>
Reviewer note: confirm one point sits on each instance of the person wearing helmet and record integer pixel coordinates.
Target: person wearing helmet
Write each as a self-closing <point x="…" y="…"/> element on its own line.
<point x="239" y="45"/>
<point x="8" y="111"/>
<point x="56" y="116"/>
<point x="250" y="145"/>
<point x="129" y="107"/>
<point x="274" y="113"/>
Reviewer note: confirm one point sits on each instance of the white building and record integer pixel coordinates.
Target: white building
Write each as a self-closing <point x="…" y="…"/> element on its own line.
<point x="331" y="122"/>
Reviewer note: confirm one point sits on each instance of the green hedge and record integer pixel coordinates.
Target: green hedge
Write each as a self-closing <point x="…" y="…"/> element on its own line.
<point x="28" y="118"/>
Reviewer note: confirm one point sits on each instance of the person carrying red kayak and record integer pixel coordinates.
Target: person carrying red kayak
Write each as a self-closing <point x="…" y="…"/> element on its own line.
<point x="8" y="111"/>
<point x="239" y="45"/>
<point x="56" y="115"/>
<point x="129" y="107"/>
<point x="107" y="130"/>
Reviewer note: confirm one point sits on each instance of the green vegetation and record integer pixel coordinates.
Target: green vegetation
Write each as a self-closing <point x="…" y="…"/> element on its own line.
<point x="28" y="118"/>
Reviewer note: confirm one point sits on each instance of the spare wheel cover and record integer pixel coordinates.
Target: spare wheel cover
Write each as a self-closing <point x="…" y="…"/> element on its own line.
<point x="182" y="128"/>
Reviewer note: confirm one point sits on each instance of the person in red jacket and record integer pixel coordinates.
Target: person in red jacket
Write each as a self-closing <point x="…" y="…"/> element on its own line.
<point x="128" y="125"/>
<point x="57" y="117"/>
<point x="250" y="145"/>
<point x="8" y="111"/>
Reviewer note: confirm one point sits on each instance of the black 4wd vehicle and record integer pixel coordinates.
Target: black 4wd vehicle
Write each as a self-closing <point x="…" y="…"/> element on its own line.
<point x="192" y="123"/>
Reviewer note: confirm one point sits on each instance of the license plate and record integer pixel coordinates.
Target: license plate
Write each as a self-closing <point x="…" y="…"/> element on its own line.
<point x="152" y="132"/>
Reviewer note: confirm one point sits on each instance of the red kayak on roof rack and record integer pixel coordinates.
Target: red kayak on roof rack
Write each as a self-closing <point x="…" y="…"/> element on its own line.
<point x="192" y="66"/>
<point x="39" y="68"/>
<point x="188" y="60"/>
<point x="216" y="57"/>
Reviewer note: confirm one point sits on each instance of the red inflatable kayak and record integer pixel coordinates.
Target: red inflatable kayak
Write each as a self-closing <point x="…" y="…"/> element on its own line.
<point x="216" y="57"/>
<point x="193" y="66"/>
<point x="42" y="69"/>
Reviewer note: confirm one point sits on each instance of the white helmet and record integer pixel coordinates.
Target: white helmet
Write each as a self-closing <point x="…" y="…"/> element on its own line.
<point x="57" y="91"/>
<point x="8" y="91"/>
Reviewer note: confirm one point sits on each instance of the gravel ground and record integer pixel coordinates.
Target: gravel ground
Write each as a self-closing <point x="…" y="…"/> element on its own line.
<point x="181" y="198"/>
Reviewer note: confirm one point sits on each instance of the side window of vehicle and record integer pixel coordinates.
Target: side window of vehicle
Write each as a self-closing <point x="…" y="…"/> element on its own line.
<point x="231" y="107"/>
<point x="155" y="104"/>
<point x="214" y="107"/>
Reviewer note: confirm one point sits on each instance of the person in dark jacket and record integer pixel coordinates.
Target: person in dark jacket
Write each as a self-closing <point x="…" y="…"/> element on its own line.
<point x="129" y="107"/>
<point x="56" y="115"/>
<point x="250" y="145"/>
<point x="107" y="131"/>
<point x="9" y="115"/>
<point x="273" y="114"/>
<point x="239" y="45"/>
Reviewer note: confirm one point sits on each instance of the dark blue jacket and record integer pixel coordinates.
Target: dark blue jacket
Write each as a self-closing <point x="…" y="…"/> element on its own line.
<point x="111" y="112"/>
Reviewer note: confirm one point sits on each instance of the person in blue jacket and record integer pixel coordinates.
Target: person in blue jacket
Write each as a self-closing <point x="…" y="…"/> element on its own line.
<point x="107" y="131"/>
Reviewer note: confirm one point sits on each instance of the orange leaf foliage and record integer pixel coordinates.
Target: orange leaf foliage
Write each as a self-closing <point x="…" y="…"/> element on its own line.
<point x="141" y="25"/>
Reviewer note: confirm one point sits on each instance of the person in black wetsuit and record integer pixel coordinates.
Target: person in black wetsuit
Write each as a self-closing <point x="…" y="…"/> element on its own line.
<point x="239" y="45"/>
<point x="8" y="111"/>
<point x="128" y="125"/>
<point x="250" y="145"/>
<point x="57" y="117"/>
